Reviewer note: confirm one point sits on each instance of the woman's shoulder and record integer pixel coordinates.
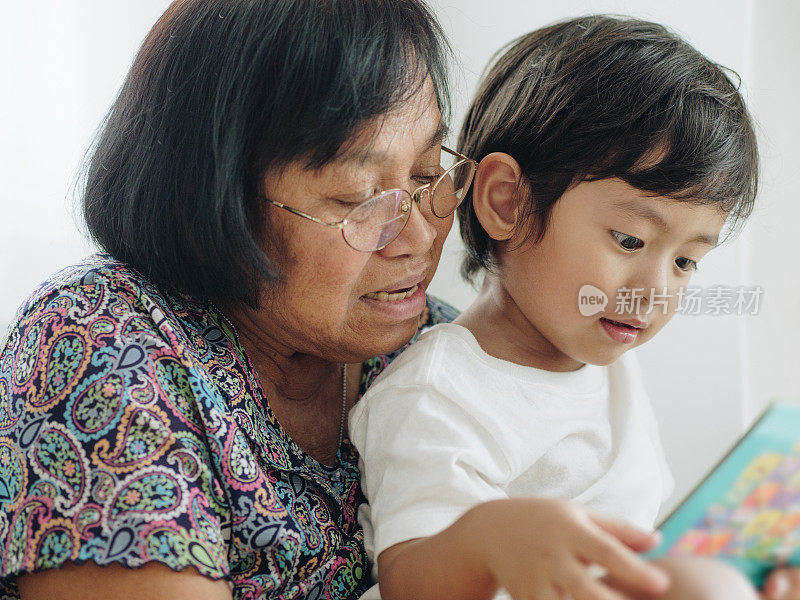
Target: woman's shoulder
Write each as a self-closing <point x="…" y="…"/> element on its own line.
<point x="100" y="321"/>
<point x="99" y="293"/>
<point x="100" y="404"/>
<point x="93" y="271"/>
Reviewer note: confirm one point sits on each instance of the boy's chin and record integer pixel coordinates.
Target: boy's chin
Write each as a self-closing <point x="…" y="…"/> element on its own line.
<point x="603" y="357"/>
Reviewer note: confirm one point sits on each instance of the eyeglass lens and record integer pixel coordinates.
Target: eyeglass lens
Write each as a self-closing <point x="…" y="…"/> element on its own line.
<point x="375" y="223"/>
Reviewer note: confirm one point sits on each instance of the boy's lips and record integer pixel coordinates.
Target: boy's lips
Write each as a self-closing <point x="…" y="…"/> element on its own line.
<point x="634" y="322"/>
<point x="623" y="331"/>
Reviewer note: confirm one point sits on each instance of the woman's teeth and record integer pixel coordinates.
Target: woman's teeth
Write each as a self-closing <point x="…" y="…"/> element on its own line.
<point x="387" y="297"/>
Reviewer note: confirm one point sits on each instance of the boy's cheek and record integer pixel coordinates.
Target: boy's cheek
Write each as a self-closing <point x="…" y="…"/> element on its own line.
<point x="663" y="307"/>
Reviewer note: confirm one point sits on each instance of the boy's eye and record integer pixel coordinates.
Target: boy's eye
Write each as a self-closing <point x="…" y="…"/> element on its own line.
<point x="686" y="264"/>
<point x="628" y="242"/>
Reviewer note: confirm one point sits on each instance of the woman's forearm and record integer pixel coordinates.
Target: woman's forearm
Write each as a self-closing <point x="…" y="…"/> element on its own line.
<point x="152" y="581"/>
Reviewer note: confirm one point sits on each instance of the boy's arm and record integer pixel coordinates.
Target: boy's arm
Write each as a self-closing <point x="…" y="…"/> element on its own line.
<point x="534" y="548"/>
<point x="431" y="568"/>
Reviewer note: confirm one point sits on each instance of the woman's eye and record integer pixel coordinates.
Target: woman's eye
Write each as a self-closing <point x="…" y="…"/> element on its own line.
<point x="686" y="264"/>
<point x="628" y="242"/>
<point x="337" y="208"/>
<point x="353" y="200"/>
<point x="342" y="203"/>
<point x="425" y="179"/>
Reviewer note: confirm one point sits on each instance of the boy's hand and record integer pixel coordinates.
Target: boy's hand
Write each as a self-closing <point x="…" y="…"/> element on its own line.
<point x="782" y="584"/>
<point x="541" y="548"/>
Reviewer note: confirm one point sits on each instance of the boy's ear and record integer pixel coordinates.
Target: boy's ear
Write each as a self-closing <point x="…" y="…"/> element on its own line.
<point x="494" y="196"/>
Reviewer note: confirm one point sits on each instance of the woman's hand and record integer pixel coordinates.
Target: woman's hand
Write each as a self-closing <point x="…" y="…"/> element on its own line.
<point x="782" y="584"/>
<point x="534" y="548"/>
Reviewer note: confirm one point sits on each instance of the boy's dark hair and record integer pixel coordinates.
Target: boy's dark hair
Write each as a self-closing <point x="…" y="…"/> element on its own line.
<point x="599" y="97"/>
<point x="223" y="90"/>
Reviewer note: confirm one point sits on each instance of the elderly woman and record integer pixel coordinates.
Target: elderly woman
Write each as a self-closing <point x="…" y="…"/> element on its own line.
<point x="270" y="194"/>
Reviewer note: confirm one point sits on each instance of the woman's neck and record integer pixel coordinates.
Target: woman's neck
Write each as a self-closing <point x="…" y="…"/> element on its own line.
<point x="304" y="392"/>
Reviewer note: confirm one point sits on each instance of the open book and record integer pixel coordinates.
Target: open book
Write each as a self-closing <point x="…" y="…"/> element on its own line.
<point x="747" y="510"/>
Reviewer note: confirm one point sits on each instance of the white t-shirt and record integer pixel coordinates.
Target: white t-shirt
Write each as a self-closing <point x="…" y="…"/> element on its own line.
<point x="447" y="426"/>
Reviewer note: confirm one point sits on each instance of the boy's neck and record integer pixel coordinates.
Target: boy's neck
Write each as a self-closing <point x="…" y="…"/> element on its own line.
<point x="502" y="331"/>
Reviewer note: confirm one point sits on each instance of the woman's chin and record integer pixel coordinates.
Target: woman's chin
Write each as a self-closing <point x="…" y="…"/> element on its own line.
<point x="384" y="339"/>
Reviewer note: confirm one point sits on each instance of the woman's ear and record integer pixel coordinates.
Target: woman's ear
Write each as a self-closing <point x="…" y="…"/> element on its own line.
<point x="494" y="196"/>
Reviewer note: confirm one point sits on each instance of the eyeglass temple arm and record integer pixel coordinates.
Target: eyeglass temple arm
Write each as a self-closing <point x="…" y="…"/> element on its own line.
<point x="456" y="154"/>
<point x="300" y="213"/>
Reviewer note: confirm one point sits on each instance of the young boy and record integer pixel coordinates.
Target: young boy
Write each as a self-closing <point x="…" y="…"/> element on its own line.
<point x="614" y="154"/>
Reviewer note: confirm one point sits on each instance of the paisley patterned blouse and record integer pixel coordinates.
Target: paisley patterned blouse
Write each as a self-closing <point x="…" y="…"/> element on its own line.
<point x="133" y="429"/>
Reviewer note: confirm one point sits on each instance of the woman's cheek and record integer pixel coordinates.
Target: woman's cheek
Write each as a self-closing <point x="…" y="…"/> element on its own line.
<point x="443" y="227"/>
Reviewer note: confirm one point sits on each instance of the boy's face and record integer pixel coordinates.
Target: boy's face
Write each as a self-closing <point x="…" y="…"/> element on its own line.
<point x="605" y="239"/>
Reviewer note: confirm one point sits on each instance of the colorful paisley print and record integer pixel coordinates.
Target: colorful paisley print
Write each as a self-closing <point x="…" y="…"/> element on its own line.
<point x="133" y="429"/>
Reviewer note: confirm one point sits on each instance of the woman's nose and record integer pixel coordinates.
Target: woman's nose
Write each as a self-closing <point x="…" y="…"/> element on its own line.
<point x="419" y="233"/>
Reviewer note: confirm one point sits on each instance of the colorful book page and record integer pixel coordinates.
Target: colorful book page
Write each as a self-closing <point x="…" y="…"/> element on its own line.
<point x="747" y="510"/>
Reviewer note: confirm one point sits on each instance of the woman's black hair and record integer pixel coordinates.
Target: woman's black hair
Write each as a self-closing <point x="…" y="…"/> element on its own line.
<point x="220" y="92"/>
<point x="599" y="97"/>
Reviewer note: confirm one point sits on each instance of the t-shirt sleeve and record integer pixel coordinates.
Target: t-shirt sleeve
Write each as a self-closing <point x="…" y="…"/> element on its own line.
<point x="103" y="455"/>
<point x="425" y="462"/>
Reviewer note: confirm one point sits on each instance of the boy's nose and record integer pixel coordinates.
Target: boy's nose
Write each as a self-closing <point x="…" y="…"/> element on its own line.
<point x="654" y="282"/>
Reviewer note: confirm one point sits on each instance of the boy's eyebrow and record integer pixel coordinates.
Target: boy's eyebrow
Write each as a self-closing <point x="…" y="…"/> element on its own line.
<point x="646" y="212"/>
<point x="367" y="155"/>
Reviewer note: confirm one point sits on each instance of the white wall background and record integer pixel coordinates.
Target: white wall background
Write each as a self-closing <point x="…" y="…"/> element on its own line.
<point x="62" y="62"/>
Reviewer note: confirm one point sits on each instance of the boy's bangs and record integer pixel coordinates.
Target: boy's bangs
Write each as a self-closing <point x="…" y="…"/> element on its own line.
<point x="695" y="155"/>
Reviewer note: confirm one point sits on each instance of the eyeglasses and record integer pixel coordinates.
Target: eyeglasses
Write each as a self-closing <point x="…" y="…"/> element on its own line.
<point x="376" y="222"/>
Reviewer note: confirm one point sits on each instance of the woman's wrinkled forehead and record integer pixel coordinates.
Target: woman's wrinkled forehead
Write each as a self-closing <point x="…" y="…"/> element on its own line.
<point x="410" y="129"/>
<point x="380" y="153"/>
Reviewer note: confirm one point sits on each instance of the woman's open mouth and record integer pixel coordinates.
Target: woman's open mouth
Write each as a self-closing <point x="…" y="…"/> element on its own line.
<point x="399" y="303"/>
<point x="393" y="296"/>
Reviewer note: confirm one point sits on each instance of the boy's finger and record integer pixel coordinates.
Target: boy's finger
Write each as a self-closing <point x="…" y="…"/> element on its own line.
<point x="633" y="537"/>
<point x="549" y="593"/>
<point x="535" y="589"/>
<point x="623" y="565"/>
<point x="628" y="593"/>
<point x="581" y="585"/>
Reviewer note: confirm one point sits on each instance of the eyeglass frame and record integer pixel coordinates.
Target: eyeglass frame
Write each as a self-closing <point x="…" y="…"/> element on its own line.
<point x="416" y="196"/>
